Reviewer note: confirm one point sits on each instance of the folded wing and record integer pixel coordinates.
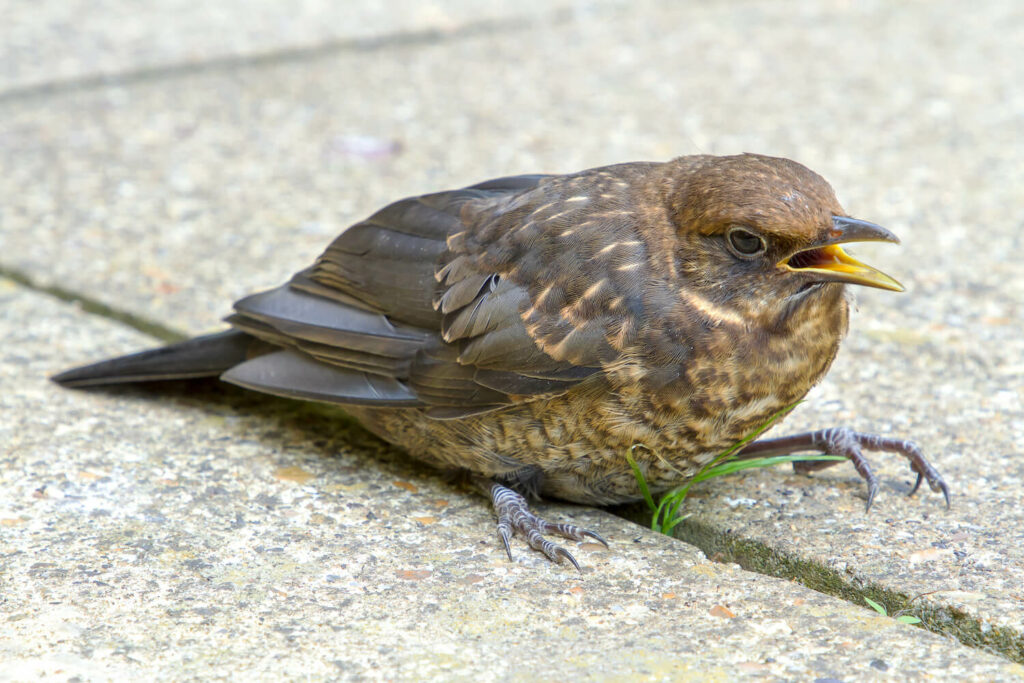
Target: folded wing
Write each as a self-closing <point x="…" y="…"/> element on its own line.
<point x="427" y="304"/>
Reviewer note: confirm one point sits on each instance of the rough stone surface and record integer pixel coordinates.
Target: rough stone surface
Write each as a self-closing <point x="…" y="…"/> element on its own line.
<point x="170" y="196"/>
<point x="46" y="44"/>
<point x="205" y="533"/>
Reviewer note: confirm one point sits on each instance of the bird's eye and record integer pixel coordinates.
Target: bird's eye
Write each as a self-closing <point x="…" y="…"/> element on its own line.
<point x="745" y="243"/>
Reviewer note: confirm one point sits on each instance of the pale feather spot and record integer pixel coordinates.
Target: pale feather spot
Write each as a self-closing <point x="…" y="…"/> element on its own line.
<point x="629" y="266"/>
<point x="706" y="429"/>
<point x="568" y="314"/>
<point x="593" y="289"/>
<point x="624" y="333"/>
<point x="615" y="245"/>
<point x="543" y="295"/>
<point x="571" y="314"/>
<point x="558" y="350"/>
<point x="713" y="311"/>
<point x="670" y="262"/>
<point x="615" y="303"/>
<point x="756" y="408"/>
<point x="578" y="198"/>
<point x="628" y="367"/>
<point x="448" y="242"/>
<point x="566" y="233"/>
<point x="541" y="209"/>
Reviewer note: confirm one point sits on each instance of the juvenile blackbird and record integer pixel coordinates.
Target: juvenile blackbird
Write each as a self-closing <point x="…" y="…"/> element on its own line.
<point x="531" y="329"/>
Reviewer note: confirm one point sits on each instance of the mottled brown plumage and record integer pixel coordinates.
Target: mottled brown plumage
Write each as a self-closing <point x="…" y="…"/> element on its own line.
<point x="532" y="329"/>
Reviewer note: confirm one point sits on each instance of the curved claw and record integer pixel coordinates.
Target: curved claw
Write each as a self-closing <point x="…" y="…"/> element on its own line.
<point x="872" y="492"/>
<point x="504" y="534"/>
<point x="925" y="471"/>
<point x="571" y="531"/>
<point x="935" y="483"/>
<point x="514" y="516"/>
<point x="562" y="552"/>
<point x="849" y="444"/>
<point x="917" y="485"/>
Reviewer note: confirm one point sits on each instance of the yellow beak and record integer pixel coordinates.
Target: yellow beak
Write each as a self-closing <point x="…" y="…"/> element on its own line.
<point x="827" y="261"/>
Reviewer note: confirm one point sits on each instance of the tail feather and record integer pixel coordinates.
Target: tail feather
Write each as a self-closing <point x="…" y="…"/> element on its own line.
<point x="206" y="356"/>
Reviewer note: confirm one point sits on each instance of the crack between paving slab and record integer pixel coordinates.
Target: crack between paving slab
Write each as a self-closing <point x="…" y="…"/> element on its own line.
<point x="95" y="307"/>
<point x="758" y="557"/>
<point x="427" y="36"/>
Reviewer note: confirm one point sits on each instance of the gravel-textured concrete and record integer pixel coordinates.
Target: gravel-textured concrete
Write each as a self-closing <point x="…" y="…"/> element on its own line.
<point x="171" y="195"/>
<point x="47" y="45"/>
<point x="203" y="534"/>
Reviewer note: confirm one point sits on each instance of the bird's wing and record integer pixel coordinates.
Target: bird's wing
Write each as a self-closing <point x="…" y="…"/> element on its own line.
<point x="459" y="302"/>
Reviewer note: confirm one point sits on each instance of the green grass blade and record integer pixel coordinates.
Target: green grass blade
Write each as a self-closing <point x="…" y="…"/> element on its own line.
<point x="877" y="607"/>
<point x="661" y="515"/>
<point x="641" y="482"/>
<point x="665" y="513"/>
<point x="733" y="466"/>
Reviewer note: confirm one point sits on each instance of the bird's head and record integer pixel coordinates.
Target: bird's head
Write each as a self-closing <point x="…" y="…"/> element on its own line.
<point x="757" y="230"/>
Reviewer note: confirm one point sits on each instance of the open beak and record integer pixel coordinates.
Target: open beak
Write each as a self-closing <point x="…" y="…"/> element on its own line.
<point x="826" y="261"/>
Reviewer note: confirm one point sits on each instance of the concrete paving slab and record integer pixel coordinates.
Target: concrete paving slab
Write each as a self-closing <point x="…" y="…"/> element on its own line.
<point x="46" y="44"/>
<point x="169" y="199"/>
<point x="204" y="533"/>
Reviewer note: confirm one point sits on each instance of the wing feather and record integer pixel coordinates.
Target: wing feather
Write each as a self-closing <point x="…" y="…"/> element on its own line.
<point x="296" y="375"/>
<point x="458" y="302"/>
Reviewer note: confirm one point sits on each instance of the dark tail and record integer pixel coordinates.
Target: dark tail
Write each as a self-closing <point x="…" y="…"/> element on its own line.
<point x="207" y="356"/>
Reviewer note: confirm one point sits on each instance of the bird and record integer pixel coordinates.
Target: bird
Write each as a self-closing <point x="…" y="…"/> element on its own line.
<point x="531" y="331"/>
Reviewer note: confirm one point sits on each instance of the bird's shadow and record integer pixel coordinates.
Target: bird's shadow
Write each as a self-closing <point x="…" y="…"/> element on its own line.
<point x="324" y="430"/>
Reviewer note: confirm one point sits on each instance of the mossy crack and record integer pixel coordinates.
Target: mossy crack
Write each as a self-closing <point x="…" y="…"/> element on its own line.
<point x="758" y="557"/>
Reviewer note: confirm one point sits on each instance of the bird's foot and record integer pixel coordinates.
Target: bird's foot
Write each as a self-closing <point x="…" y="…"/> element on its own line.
<point x="849" y="444"/>
<point x="514" y="516"/>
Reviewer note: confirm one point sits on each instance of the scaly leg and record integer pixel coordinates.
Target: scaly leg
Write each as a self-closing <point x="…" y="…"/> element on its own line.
<point x="514" y="516"/>
<point x="848" y="443"/>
